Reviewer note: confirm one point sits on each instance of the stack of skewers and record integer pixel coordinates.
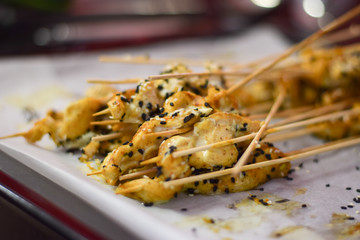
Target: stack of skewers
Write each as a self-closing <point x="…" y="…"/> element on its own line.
<point x="202" y="132"/>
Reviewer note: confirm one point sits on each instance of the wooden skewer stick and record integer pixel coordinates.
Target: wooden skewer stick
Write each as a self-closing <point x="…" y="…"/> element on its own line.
<point x="147" y="60"/>
<point x="293" y="134"/>
<point x="316" y="112"/>
<point x="150" y="161"/>
<point x="94" y="173"/>
<point x="105" y="122"/>
<point x="137" y="174"/>
<point x="343" y="143"/>
<point x="129" y="190"/>
<point x="20" y="134"/>
<point x="323" y="118"/>
<point x="330" y="27"/>
<point x="183" y="75"/>
<point x="102" y="112"/>
<point x="194" y="62"/>
<point x="124" y="81"/>
<point x="169" y="132"/>
<point x="107" y="137"/>
<point x="113" y="121"/>
<point x="271" y="138"/>
<point x="352" y="31"/>
<point x="243" y="159"/>
<point x="273" y="74"/>
<point x="284" y="113"/>
<point x="310" y="121"/>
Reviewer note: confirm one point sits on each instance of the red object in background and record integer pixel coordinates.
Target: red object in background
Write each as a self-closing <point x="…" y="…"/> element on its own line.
<point x="87" y="25"/>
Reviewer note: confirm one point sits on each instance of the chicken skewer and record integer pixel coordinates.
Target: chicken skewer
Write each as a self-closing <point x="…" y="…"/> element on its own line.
<point x="307" y="152"/>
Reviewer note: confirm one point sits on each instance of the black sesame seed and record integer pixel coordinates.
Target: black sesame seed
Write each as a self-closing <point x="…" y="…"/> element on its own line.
<point x="130" y="154"/>
<point x="207" y="104"/>
<point x="131" y="144"/>
<point x="343" y="207"/>
<point x="141" y="103"/>
<point x="350" y="218"/>
<point x="143" y="116"/>
<point x="348" y="188"/>
<point x="205" y="181"/>
<point x="327" y="185"/>
<point x="183" y="209"/>
<point x="350" y="206"/>
<point x="215" y="188"/>
<point x="196" y="183"/>
<point x="358" y="190"/>
<point x="260" y="150"/>
<point x="273" y="169"/>
<point x="175" y="114"/>
<point x="268" y="156"/>
<point x="160" y="87"/>
<point x="124" y="99"/>
<point x="304" y="206"/>
<point x="261" y="189"/>
<point x="148" y="204"/>
<point x="125" y="143"/>
<point x="159" y="171"/>
<point x="172" y="149"/>
<point x="205" y="85"/>
<point x="263" y="202"/>
<point x="227" y="190"/>
<point x="288" y="178"/>
<point x="172" y="104"/>
<point x="137" y="89"/>
<point x="232" y="179"/>
<point x="122" y="117"/>
<point x="301" y="165"/>
<point x="141" y="151"/>
<point x="149" y="106"/>
<point x="114" y="165"/>
<point x="190" y="190"/>
<point x="214" y="180"/>
<point x="189" y="117"/>
<point x="282" y="200"/>
<point x="163" y="122"/>
<point x="356" y="199"/>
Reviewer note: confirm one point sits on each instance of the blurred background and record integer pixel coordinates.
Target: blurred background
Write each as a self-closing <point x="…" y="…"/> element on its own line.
<point x="57" y="26"/>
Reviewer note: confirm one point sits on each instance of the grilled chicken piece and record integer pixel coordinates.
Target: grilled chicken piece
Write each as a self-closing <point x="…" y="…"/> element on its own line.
<point x="144" y="147"/>
<point x="68" y="125"/>
<point x="246" y="180"/>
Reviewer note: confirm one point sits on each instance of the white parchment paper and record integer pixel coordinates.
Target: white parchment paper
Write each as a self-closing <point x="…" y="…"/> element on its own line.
<point x="302" y="207"/>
